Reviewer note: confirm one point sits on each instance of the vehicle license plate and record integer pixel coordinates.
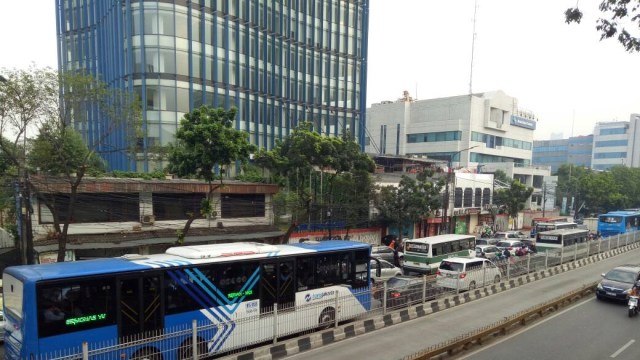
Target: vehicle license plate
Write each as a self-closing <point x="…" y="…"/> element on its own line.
<point x="611" y="294"/>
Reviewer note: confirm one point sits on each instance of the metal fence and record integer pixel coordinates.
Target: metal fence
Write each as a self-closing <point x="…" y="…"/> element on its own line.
<point x="285" y="320"/>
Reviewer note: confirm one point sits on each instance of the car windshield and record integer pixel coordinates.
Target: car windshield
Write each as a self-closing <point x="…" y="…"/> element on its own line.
<point x="451" y="266"/>
<point x="503" y="244"/>
<point x="621" y="276"/>
<point x="395" y="282"/>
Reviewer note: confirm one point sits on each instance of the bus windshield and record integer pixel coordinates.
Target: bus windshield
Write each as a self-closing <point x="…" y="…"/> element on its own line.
<point x="611" y="219"/>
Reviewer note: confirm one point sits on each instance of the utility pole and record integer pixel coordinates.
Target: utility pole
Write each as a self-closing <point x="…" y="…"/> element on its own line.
<point x="544" y="197"/>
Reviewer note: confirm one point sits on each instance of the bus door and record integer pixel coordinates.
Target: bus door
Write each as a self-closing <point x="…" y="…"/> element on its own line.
<point x="277" y="285"/>
<point x="139" y="309"/>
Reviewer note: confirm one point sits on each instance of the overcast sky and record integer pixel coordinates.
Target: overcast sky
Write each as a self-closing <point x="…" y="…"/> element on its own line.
<point x="561" y="72"/>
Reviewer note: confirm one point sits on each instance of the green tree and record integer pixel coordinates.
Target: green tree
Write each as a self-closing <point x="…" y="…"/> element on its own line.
<point x="601" y="192"/>
<point x="412" y="201"/>
<point x="320" y="176"/>
<point x="513" y="198"/>
<point x="619" y="19"/>
<point x="205" y="139"/>
<point x="51" y="106"/>
<point x="569" y="176"/>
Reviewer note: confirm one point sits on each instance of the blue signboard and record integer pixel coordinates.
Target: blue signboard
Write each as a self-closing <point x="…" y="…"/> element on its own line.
<point x="522" y="122"/>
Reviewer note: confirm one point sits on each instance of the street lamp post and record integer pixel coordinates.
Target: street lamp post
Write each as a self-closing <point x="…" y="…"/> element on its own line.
<point x="447" y="198"/>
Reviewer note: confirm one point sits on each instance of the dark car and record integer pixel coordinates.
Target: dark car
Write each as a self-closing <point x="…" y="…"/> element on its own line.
<point x="385" y="253"/>
<point x="616" y="283"/>
<point x="387" y="239"/>
<point x="405" y="290"/>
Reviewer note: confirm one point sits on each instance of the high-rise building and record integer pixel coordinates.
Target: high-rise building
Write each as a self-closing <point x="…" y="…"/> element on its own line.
<point x="279" y="62"/>
<point x="576" y="150"/>
<point x="610" y="144"/>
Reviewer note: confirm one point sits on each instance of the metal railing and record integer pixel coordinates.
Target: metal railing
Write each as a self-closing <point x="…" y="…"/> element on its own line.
<point x="285" y="320"/>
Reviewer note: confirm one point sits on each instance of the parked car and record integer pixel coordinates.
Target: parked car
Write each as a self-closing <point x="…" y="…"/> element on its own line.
<point x="512" y="245"/>
<point x="510" y="235"/>
<point x="405" y="290"/>
<point x="467" y="273"/>
<point x="487" y="241"/>
<point x="490" y="252"/>
<point x="385" y="253"/>
<point x="617" y="282"/>
<point x="387" y="271"/>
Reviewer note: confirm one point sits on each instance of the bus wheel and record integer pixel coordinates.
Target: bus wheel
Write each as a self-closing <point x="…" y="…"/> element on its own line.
<point x="147" y="354"/>
<point x="327" y="317"/>
<point x="186" y="349"/>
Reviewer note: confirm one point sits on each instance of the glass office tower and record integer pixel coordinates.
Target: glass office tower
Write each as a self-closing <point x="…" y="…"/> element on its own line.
<point x="279" y="62"/>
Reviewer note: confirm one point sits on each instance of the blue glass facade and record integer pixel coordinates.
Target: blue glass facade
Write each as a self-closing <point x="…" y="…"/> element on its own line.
<point x="279" y="62"/>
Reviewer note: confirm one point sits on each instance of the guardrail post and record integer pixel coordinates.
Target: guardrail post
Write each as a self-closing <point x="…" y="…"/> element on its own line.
<point x="561" y="255"/>
<point x="484" y="276"/>
<point x="85" y="350"/>
<point x="458" y="283"/>
<point x="588" y="248"/>
<point x="384" y="298"/>
<point x="275" y="323"/>
<point x="575" y="254"/>
<point x="424" y="288"/>
<point x="337" y="307"/>
<point x="626" y="239"/>
<point x="508" y="267"/>
<point x="528" y="263"/>
<point x="546" y="259"/>
<point x="194" y="339"/>
<point x="609" y="239"/>
<point x="618" y="241"/>
<point x="599" y="244"/>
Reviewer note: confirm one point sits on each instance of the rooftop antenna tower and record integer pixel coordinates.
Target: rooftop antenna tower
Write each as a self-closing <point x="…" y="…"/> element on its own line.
<point x="473" y="45"/>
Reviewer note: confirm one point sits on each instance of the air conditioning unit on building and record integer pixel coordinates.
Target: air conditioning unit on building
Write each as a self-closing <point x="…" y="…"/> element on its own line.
<point x="148" y="220"/>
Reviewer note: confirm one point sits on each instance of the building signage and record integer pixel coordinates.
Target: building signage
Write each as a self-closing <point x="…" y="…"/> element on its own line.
<point x="522" y="122"/>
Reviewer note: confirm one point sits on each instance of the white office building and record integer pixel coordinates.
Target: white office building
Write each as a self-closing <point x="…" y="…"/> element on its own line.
<point x="611" y="142"/>
<point x="483" y="131"/>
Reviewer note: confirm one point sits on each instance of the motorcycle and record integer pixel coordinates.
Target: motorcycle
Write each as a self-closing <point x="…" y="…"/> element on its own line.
<point x="633" y="305"/>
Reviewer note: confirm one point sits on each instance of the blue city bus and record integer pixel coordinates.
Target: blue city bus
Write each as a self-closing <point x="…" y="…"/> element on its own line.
<point x="50" y="308"/>
<point x="618" y="222"/>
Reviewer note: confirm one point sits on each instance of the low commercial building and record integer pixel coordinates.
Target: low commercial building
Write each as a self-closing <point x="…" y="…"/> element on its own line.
<point x="112" y="217"/>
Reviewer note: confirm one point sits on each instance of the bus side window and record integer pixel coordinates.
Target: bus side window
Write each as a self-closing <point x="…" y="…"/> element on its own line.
<point x="306" y="273"/>
<point x="436" y="250"/>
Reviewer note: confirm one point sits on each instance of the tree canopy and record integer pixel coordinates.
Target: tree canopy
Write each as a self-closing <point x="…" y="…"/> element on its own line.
<point x="43" y="111"/>
<point x="513" y="198"/>
<point x="323" y="178"/>
<point x="620" y="18"/>
<point x="412" y="201"/>
<point x="205" y="139"/>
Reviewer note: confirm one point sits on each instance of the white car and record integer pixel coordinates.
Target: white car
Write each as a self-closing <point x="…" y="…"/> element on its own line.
<point x="467" y="273"/>
<point x="387" y="271"/>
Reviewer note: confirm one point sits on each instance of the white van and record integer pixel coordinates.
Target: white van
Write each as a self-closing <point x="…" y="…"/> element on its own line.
<point x="467" y="273"/>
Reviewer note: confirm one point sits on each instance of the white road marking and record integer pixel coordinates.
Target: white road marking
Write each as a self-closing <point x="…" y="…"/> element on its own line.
<point x="623" y="348"/>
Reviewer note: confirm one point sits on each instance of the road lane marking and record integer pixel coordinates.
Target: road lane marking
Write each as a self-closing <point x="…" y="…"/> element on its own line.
<point x="622" y="348"/>
<point x="519" y="332"/>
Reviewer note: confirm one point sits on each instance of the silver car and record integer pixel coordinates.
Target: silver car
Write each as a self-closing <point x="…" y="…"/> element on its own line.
<point x="387" y="271"/>
<point x="487" y="251"/>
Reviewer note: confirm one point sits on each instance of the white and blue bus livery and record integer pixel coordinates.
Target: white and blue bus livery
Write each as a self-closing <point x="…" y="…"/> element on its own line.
<point x="50" y="308"/>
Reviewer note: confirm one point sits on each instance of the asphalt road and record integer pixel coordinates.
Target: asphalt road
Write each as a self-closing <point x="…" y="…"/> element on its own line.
<point x="591" y="329"/>
<point x="399" y="341"/>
